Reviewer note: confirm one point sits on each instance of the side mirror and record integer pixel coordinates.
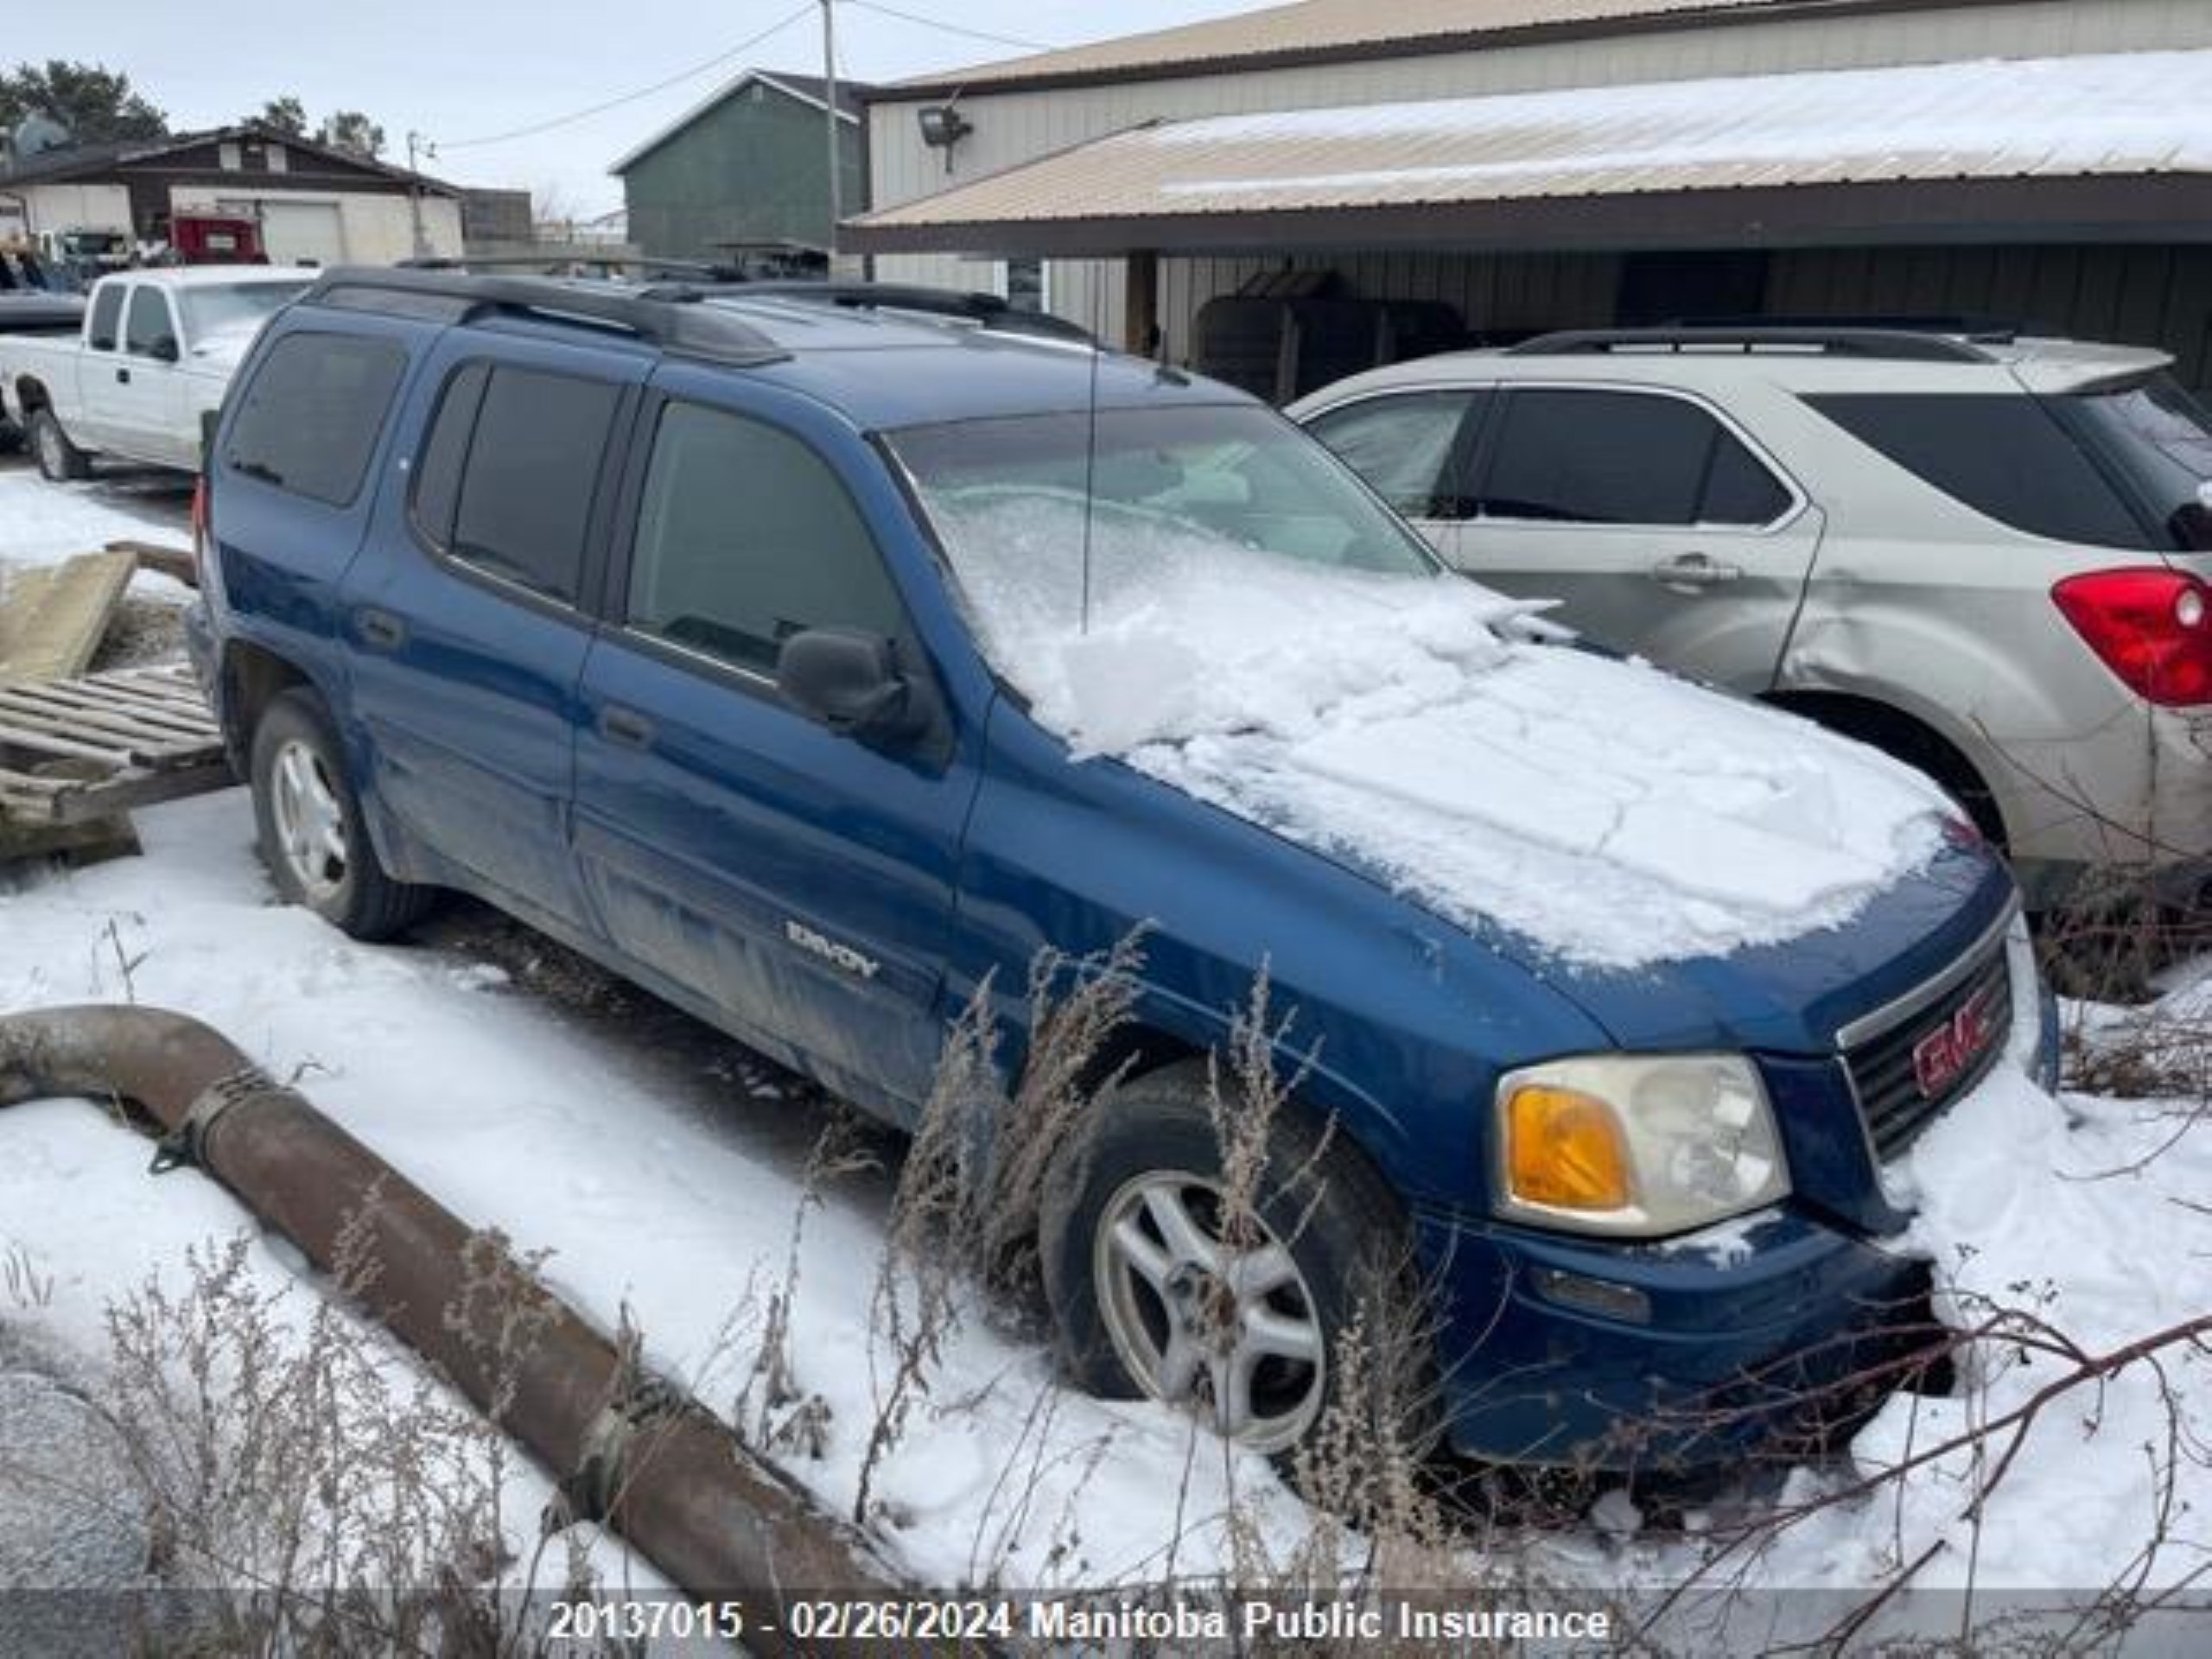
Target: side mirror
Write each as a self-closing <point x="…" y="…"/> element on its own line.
<point x="165" y="349"/>
<point x="848" y="681"/>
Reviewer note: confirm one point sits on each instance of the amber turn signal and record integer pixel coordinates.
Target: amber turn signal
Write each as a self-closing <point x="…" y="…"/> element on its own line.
<point x="1565" y="1150"/>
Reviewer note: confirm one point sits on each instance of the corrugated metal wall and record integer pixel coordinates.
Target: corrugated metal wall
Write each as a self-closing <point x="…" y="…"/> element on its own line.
<point x="1010" y="128"/>
<point x="2135" y="296"/>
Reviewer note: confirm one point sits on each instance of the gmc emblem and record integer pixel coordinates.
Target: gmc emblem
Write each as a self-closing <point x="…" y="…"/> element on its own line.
<point x="1941" y="1057"/>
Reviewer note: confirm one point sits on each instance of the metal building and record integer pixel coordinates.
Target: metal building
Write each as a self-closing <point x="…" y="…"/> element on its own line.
<point x="1580" y="163"/>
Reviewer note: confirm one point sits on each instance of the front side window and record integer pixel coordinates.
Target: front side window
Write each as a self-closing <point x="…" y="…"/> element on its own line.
<point x="1409" y="447"/>
<point x="1564" y="455"/>
<point x="509" y="470"/>
<point x="308" y="420"/>
<point x="147" y="328"/>
<point x="745" y="537"/>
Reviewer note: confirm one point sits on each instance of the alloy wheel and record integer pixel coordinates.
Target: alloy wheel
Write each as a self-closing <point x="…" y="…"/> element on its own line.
<point x="309" y="821"/>
<point x="1228" y="1325"/>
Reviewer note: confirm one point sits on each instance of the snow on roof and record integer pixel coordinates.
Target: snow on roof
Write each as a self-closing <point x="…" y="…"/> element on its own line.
<point x="2120" y="113"/>
<point x="1330" y="28"/>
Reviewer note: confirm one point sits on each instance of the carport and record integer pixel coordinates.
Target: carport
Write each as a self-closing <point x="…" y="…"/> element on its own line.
<point x="2074" y="193"/>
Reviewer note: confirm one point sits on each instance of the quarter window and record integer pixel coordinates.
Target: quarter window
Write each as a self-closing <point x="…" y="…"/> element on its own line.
<point x="507" y="474"/>
<point x="745" y="537"/>
<point x="1602" y="457"/>
<point x="1408" y="448"/>
<point x="309" y="422"/>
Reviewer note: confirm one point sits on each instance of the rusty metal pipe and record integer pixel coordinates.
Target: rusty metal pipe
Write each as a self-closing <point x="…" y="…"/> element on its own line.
<point x="629" y="1449"/>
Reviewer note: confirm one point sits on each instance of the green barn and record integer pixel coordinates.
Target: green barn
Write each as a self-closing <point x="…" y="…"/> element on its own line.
<point x="748" y="168"/>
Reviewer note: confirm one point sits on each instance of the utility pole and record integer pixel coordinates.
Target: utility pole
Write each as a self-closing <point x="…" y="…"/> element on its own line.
<point x="416" y="141"/>
<point x="836" y="149"/>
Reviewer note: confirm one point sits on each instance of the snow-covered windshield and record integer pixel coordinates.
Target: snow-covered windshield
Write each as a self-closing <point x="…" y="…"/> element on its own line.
<point x="211" y="311"/>
<point x="1156" y="493"/>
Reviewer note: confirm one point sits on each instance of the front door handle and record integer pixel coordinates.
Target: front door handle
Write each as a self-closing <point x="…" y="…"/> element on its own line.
<point x="123" y="377"/>
<point x="380" y="630"/>
<point x="625" y="727"/>
<point x="1692" y="572"/>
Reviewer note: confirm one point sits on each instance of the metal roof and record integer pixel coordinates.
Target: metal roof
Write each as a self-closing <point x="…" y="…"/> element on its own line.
<point x="806" y="89"/>
<point x="104" y="159"/>
<point x="1325" y="30"/>
<point x="2036" y="120"/>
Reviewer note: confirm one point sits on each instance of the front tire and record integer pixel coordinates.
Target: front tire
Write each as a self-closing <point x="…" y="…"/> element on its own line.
<point x="308" y="820"/>
<point x="1152" y="1297"/>
<point x="60" y="461"/>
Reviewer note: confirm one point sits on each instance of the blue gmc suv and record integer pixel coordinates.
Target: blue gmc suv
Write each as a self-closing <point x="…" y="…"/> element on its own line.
<point x="770" y="652"/>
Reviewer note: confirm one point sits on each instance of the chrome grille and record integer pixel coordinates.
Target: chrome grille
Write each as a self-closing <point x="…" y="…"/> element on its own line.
<point x="1885" y="1067"/>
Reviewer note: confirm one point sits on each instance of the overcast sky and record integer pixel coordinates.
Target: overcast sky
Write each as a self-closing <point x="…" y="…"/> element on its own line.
<point x="458" y="70"/>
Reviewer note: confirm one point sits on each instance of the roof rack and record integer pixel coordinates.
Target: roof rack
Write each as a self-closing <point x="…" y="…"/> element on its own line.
<point x="666" y="314"/>
<point x="990" y="310"/>
<point x="1995" y="331"/>
<point x="1898" y="345"/>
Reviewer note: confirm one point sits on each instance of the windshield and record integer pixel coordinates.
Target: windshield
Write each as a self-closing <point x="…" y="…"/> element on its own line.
<point x="2163" y="438"/>
<point x="1186" y="494"/>
<point x="227" y="310"/>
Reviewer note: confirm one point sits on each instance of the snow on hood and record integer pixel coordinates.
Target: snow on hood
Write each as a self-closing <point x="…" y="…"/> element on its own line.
<point x="1413" y="728"/>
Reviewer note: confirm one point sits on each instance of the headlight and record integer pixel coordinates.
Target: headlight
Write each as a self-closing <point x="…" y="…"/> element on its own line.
<point x="1636" y="1146"/>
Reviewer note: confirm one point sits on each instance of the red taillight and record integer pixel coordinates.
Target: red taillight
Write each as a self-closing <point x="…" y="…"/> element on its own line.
<point x="199" y="528"/>
<point x="2153" y="628"/>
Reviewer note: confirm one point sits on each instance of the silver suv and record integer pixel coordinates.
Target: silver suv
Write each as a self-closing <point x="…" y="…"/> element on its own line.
<point x="1984" y="553"/>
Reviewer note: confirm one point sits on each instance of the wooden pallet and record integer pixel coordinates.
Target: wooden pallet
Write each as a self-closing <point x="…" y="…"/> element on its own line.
<point x="74" y="751"/>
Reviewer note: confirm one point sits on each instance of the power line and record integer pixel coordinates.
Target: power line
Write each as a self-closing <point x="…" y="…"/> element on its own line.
<point x="950" y="28"/>
<point x="692" y="74"/>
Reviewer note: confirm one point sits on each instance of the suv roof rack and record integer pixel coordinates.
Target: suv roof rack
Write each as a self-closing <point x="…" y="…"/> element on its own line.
<point x="1995" y="331"/>
<point x="669" y="315"/>
<point x="1899" y="344"/>
<point x="990" y="310"/>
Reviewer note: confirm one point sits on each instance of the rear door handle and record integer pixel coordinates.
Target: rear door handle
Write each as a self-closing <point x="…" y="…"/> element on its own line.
<point x="625" y="727"/>
<point x="123" y="377"/>
<point x="380" y="630"/>
<point x="1693" y="571"/>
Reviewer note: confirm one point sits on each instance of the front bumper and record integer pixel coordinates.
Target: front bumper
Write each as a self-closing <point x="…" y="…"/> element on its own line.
<point x="1757" y="1335"/>
<point x="1668" y="1357"/>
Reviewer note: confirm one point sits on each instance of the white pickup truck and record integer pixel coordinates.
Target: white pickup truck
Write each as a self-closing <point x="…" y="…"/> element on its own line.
<point x="154" y="355"/>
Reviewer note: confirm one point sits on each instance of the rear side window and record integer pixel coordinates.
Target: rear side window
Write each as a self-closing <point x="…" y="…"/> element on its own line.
<point x="1568" y="456"/>
<point x="2005" y="457"/>
<point x="148" y="324"/>
<point x="745" y="537"/>
<point x="107" y="317"/>
<point x="309" y="422"/>
<point x="506" y="476"/>
<point x="1409" y="448"/>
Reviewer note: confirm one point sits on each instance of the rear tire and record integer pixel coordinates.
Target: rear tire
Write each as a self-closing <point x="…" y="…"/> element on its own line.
<point x="60" y="461"/>
<point x="308" y="822"/>
<point x="1149" y="1300"/>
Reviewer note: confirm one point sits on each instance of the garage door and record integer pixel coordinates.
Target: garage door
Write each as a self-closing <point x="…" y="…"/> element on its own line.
<point x="302" y="231"/>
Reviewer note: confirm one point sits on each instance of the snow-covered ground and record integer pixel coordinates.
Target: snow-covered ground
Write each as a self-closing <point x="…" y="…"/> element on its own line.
<point x="666" y="1184"/>
<point x="44" y="523"/>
